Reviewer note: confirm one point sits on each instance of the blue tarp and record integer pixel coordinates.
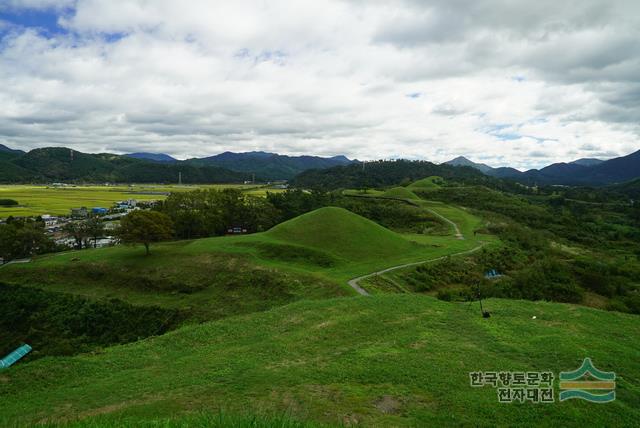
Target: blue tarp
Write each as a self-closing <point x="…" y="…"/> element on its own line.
<point x="14" y="356"/>
<point x="492" y="274"/>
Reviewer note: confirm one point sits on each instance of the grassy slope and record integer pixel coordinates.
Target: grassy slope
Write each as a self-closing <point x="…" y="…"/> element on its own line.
<point x="194" y="275"/>
<point x="400" y="192"/>
<point x="342" y="233"/>
<point x="296" y="249"/>
<point x="426" y="183"/>
<point x="389" y="360"/>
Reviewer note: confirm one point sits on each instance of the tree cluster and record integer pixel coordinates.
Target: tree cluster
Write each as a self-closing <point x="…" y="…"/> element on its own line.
<point x="23" y="238"/>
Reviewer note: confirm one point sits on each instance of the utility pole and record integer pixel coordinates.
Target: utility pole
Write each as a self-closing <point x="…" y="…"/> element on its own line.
<point x="485" y="314"/>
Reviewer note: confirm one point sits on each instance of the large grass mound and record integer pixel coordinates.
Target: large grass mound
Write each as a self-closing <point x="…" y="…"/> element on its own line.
<point x="401" y="360"/>
<point x="202" y="278"/>
<point x="429" y="183"/>
<point x="400" y="193"/>
<point x="341" y="233"/>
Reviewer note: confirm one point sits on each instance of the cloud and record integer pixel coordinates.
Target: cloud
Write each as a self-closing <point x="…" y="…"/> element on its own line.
<point x="491" y="80"/>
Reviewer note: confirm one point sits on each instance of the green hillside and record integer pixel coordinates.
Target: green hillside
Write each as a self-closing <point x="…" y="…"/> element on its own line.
<point x="342" y="233"/>
<point x="377" y="174"/>
<point x="400" y="192"/>
<point x="377" y="361"/>
<point x="433" y="182"/>
<point x="60" y="164"/>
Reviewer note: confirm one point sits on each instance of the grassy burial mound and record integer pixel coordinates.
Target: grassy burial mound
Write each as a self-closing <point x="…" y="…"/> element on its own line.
<point x="400" y="193"/>
<point x="429" y="183"/>
<point x="197" y="278"/>
<point x="401" y="360"/>
<point x="341" y="233"/>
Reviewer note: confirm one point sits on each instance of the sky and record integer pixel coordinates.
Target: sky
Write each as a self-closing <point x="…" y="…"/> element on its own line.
<point x="504" y="82"/>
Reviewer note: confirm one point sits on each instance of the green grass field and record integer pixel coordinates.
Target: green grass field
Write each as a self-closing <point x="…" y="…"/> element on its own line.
<point x="429" y="183"/>
<point x="401" y="360"/>
<point x="400" y="192"/>
<point x="331" y="244"/>
<point x="39" y="200"/>
<point x="283" y="342"/>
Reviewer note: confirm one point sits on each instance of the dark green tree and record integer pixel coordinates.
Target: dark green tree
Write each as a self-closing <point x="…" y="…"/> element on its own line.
<point x="145" y="227"/>
<point x="78" y="231"/>
<point x="94" y="228"/>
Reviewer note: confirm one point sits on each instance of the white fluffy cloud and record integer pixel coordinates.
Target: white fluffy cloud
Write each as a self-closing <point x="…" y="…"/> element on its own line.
<point x="503" y="82"/>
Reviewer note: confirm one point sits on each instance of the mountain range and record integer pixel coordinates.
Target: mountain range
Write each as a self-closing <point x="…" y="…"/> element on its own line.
<point x="586" y="171"/>
<point x="64" y="164"/>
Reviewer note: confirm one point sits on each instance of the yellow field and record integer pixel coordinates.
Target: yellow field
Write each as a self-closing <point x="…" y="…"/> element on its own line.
<point x="38" y="200"/>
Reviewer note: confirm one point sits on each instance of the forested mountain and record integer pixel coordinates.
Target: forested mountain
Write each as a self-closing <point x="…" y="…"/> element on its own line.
<point x="383" y="173"/>
<point x="586" y="171"/>
<point x="66" y="165"/>
<point x="5" y="149"/>
<point x="270" y="166"/>
<point x="157" y="157"/>
<point x="462" y="161"/>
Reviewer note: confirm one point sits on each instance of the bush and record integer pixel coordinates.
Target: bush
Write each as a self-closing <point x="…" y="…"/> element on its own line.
<point x="61" y="324"/>
<point x="545" y="279"/>
<point x="8" y="203"/>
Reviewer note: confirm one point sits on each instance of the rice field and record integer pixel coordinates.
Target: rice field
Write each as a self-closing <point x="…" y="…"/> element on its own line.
<point x="37" y="200"/>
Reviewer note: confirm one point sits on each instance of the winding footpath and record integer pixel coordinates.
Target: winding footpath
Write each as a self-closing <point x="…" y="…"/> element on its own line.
<point x="15" y="262"/>
<point x="456" y="229"/>
<point x="353" y="283"/>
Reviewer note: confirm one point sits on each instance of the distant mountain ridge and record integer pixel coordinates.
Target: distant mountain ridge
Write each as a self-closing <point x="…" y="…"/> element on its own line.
<point x="462" y="161"/>
<point x="64" y="164"/>
<point x="60" y="164"/>
<point x="585" y="171"/>
<point x="587" y="161"/>
<point x="6" y="149"/>
<point x="270" y="166"/>
<point x="156" y="157"/>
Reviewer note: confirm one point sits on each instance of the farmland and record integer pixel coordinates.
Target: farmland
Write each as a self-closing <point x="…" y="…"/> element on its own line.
<point x="34" y="200"/>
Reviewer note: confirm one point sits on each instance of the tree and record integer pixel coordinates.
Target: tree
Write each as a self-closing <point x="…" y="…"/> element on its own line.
<point x="23" y="238"/>
<point x="94" y="227"/>
<point x="7" y="242"/>
<point x="145" y="227"/>
<point x="78" y="231"/>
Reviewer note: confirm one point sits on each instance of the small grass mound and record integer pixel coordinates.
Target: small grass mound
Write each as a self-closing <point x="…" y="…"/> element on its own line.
<point x="401" y="193"/>
<point x="341" y="233"/>
<point x="433" y="182"/>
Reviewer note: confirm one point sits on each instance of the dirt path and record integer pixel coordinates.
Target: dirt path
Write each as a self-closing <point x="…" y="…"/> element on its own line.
<point x="12" y="262"/>
<point x="354" y="282"/>
<point x="456" y="229"/>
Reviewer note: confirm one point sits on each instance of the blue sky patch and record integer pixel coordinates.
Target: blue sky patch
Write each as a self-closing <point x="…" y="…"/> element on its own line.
<point x="45" y="21"/>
